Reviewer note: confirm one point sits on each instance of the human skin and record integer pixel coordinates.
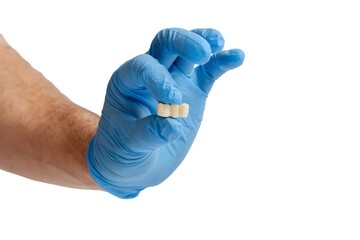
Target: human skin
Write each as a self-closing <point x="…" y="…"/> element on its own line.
<point x="43" y="135"/>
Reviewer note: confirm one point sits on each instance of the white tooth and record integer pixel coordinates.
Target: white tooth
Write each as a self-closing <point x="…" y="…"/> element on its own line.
<point x="163" y="110"/>
<point x="173" y="110"/>
<point x="183" y="110"/>
<point x="160" y="108"/>
<point x="167" y="110"/>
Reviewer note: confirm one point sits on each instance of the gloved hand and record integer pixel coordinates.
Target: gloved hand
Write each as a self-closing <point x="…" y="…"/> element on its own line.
<point x="133" y="147"/>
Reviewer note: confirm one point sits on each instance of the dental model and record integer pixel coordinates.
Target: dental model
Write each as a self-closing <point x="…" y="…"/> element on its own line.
<point x="173" y="110"/>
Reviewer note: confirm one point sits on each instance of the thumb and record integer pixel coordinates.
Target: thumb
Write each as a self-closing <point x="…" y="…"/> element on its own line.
<point x="152" y="132"/>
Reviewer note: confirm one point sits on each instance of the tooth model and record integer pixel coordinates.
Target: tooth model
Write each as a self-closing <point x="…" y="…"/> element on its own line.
<point x="172" y="110"/>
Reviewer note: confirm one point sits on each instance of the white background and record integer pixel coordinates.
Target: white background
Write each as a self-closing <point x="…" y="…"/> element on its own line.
<point x="277" y="156"/>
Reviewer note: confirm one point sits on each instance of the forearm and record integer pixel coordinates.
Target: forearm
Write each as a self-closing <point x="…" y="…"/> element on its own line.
<point x="43" y="135"/>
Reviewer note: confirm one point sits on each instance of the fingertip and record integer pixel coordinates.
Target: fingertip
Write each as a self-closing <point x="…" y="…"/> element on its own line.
<point x="200" y="54"/>
<point x="229" y="59"/>
<point x="169" y="95"/>
<point x="170" y="128"/>
<point x="213" y="37"/>
<point x="220" y="44"/>
<point x="174" y="97"/>
<point x="236" y="57"/>
<point x="194" y="47"/>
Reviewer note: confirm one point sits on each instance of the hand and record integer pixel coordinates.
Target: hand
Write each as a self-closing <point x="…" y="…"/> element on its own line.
<point x="134" y="148"/>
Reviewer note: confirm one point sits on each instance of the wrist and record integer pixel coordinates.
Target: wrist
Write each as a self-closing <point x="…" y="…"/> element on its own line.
<point x="95" y="166"/>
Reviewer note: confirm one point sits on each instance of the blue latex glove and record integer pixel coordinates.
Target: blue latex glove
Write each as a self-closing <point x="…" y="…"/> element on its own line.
<point x="133" y="147"/>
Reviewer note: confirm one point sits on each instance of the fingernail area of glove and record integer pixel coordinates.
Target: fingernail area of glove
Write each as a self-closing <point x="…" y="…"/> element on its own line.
<point x="171" y="129"/>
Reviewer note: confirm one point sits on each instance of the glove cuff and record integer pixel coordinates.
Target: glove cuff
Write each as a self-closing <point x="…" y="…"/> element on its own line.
<point x="121" y="192"/>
